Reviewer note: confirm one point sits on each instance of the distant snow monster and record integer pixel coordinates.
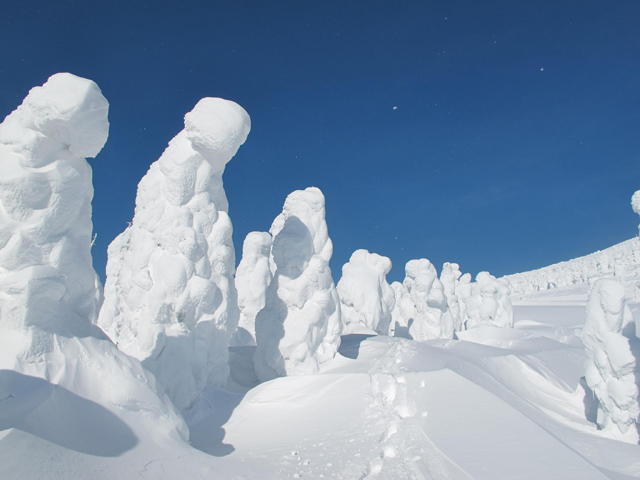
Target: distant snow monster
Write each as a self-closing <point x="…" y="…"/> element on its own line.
<point x="365" y="296"/>
<point x="635" y="203"/>
<point x="612" y="366"/>
<point x="423" y="304"/>
<point x="299" y="327"/>
<point x="170" y="298"/>
<point x="449" y="277"/>
<point x="49" y="293"/>
<point x="253" y="277"/>
<point x="488" y="303"/>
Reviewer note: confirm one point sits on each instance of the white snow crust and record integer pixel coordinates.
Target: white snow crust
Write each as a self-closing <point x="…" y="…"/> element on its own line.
<point x="366" y="298"/>
<point x="612" y="368"/>
<point x="299" y="327"/>
<point x="170" y="298"/>
<point x="253" y="277"/>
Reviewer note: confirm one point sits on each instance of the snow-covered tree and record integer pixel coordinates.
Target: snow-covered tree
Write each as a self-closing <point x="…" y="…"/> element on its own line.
<point x="612" y="368"/>
<point x="170" y="298"/>
<point x="253" y="277"/>
<point x="488" y="302"/>
<point x="299" y="327"/>
<point x="365" y="296"/>
<point x="449" y="277"/>
<point x="421" y="304"/>
<point x="49" y="292"/>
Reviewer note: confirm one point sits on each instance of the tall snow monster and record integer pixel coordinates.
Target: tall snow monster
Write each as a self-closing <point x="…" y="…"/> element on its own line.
<point x="299" y="327"/>
<point x="612" y="367"/>
<point x="49" y="293"/>
<point x="170" y="299"/>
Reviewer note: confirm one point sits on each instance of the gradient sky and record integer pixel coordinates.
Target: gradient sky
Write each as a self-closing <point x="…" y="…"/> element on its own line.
<point x="502" y="135"/>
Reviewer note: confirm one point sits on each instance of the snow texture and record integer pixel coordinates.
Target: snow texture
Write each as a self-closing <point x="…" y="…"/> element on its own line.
<point x="170" y="298"/>
<point x="56" y="367"/>
<point x="299" y="327"/>
<point x="612" y="369"/>
<point x="365" y="296"/>
<point x="253" y="277"/>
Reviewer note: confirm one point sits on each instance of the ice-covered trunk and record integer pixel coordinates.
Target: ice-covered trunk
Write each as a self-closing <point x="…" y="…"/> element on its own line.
<point x="49" y="292"/>
<point x="170" y="298"/>
<point x="252" y="280"/>
<point x="612" y="367"/>
<point x="299" y="327"/>
<point x="366" y="298"/>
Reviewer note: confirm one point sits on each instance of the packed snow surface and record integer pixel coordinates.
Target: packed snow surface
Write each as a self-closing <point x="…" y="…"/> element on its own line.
<point x="554" y="397"/>
<point x="170" y="297"/>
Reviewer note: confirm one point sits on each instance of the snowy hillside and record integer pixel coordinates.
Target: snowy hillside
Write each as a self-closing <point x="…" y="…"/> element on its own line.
<point x="438" y="377"/>
<point x="621" y="260"/>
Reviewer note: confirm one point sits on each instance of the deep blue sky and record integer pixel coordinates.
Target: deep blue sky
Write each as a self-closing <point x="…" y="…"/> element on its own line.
<point x="515" y="143"/>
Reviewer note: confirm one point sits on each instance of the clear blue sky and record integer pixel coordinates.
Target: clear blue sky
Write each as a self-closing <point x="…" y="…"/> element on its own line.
<point x="515" y="142"/>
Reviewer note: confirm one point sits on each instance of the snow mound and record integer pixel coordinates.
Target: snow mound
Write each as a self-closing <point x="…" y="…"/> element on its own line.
<point x="299" y="327"/>
<point x="61" y="379"/>
<point x="253" y="277"/>
<point x="170" y="298"/>
<point x="612" y="369"/>
<point x="365" y="296"/>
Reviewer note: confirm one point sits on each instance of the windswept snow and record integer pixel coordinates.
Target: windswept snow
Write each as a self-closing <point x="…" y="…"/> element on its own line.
<point x="299" y="327"/>
<point x="170" y="298"/>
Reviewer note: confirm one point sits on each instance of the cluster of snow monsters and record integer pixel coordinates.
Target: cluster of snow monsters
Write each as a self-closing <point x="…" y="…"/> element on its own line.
<point x="173" y="302"/>
<point x="620" y="261"/>
<point x="49" y="293"/>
